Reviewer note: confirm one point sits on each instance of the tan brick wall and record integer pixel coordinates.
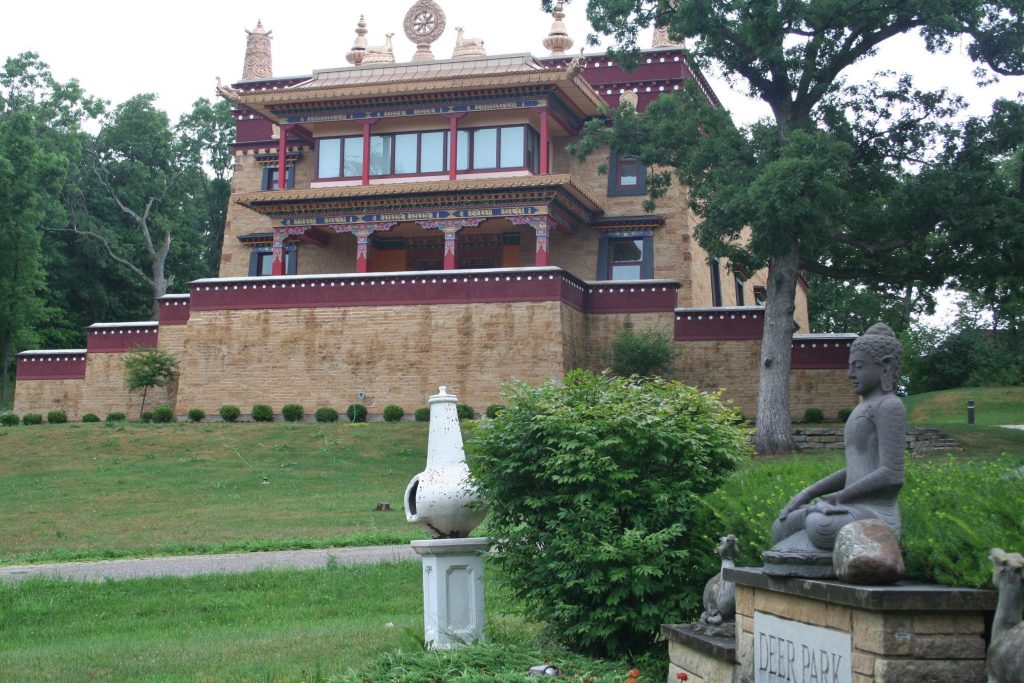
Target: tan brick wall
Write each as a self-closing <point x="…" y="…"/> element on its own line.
<point x="323" y="357"/>
<point x="105" y="391"/>
<point x="42" y="396"/>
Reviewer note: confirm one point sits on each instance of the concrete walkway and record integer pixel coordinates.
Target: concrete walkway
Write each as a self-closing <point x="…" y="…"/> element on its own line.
<point x="1014" y="427"/>
<point x="193" y="565"/>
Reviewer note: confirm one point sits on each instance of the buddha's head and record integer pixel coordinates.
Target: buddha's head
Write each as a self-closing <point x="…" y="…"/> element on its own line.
<point x="876" y="358"/>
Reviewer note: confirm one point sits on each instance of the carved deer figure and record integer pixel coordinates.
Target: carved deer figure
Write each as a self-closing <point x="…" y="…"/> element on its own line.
<point x="384" y="49"/>
<point x="1006" y="651"/>
<point x="460" y="41"/>
<point x="719" y="594"/>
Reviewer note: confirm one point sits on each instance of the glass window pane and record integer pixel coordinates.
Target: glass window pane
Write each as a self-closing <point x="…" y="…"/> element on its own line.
<point x="629" y="173"/>
<point x="353" y="157"/>
<point x="485" y="148"/>
<point x="512" y="147"/>
<point x="463" y="150"/>
<point x="625" y="272"/>
<point x="625" y="251"/>
<point x="380" y="155"/>
<point x="405" y="152"/>
<point x="432" y="152"/>
<point x="265" y="265"/>
<point x="330" y="158"/>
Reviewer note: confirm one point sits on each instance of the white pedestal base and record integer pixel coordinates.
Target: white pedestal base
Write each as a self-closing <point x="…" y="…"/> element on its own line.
<point x="453" y="590"/>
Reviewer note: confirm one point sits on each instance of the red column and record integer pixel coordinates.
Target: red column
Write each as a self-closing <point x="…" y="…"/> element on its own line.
<point x="282" y="158"/>
<point x="449" y="247"/>
<point x="278" y="266"/>
<point x="543" y="257"/>
<point x="453" y="149"/>
<point x="366" y="150"/>
<point x="544" y="142"/>
<point x="362" y="250"/>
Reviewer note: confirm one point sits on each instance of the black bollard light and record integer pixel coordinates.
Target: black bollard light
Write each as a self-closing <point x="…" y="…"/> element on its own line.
<point x="970" y="412"/>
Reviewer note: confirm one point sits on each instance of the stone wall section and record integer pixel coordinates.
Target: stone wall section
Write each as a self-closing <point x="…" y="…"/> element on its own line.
<point x="42" y="396"/>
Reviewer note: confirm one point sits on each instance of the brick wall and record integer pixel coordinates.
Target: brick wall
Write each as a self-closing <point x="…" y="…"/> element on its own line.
<point x="42" y="396"/>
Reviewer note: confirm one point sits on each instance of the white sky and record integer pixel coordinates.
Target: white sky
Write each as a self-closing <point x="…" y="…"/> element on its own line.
<point x="177" y="49"/>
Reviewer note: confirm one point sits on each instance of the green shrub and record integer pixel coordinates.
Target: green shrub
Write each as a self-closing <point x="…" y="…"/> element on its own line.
<point x="356" y="412"/>
<point x="90" y="417"/>
<point x="163" y="414"/>
<point x="57" y="417"/>
<point x="492" y="410"/>
<point x="196" y="414"/>
<point x="32" y="419"/>
<point x="844" y="414"/>
<point x="393" y="413"/>
<point x="262" y="413"/>
<point x="953" y="513"/>
<point x="230" y="413"/>
<point x="115" y="417"/>
<point x="147" y="416"/>
<point x="293" y="412"/>
<point x="422" y="414"/>
<point x="465" y="411"/>
<point x="590" y="484"/>
<point x="326" y="415"/>
<point x="814" y="416"/>
<point x="9" y="419"/>
<point x="645" y="353"/>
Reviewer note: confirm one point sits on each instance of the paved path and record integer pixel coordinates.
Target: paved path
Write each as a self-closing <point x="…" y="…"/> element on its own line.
<point x="1021" y="427"/>
<point x="192" y="565"/>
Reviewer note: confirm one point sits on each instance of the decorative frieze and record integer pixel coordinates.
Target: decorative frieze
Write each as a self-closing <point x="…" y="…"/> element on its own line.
<point x="57" y="364"/>
<point x="121" y="337"/>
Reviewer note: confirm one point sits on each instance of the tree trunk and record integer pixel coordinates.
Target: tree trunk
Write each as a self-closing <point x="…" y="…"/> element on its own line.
<point x="142" y="408"/>
<point x="774" y="435"/>
<point x="5" y="371"/>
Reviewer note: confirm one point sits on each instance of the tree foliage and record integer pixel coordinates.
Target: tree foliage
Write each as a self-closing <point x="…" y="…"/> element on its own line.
<point x="591" y="485"/>
<point x="148" y="368"/>
<point x="846" y="180"/>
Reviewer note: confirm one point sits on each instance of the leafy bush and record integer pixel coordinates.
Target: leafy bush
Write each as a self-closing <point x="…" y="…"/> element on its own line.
<point x="953" y="513"/>
<point x="465" y="411"/>
<point x="422" y="414"/>
<point x="32" y="419"/>
<point x="163" y="414"/>
<point x="196" y="414"/>
<point x="645" y="353"/>
<point x="57" y="417"/>
<point x="115" y="417"/>
<point x="9" y="419"/>
<point x="326" y="415"/>
<point x="844" y="414"/>
<point x="492" y="410"/>
<point x="393" y="413"/>
<point x="90" y="417"/>
<point x="814" y="416"/>
<point x="356" y="412"/>
<point x="591" y="484"/>
<point x="147" y="416"/>
<point x="230" y="413"/>
<point x="262" y="413"/>
<point x="293" y="412"/>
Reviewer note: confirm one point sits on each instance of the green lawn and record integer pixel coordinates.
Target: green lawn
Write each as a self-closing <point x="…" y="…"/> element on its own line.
<point x="89" y="490"/>
<point x="992" y="406"/>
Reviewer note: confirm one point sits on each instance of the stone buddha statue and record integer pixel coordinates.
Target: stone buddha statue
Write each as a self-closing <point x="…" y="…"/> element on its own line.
<point x="804" y="534"/>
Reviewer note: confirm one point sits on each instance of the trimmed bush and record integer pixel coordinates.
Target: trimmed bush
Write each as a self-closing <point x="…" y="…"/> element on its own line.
<point x="230" y="413"/>
<point x="814" y="416"/>
<point x="464" y="411"/>
<point x="645" y="353"/>
<point x="57" y="417"/>
<point x="262" y="413"/>
<point x="844" y="414"/>
<point x="9" y="419"/>
<point x="115" y="417"/>
<point x="422" y="414"/>
<point x="32" y="419"/>
<point x="492" y="410"/>
<point x="90" y="417"/>
<point x="326" y="415"/>
<point x="615" y="469"/>
<point x="356" y="412"/>
<point x="163" y="414"/>
<point x="293" y="412"/>
<point x="393" y="413"/>
<point x="196" y="414"/>
<point x="147" y="416"/>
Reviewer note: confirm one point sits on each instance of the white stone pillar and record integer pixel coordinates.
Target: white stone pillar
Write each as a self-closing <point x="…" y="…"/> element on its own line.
<point x="453" y="590"/>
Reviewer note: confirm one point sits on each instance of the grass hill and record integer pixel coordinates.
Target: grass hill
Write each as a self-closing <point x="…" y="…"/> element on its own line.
<point x="992" y="406"/>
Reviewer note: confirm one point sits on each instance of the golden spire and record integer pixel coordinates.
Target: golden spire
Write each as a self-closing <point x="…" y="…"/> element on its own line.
<point x="558" y="41"/>
<point x="355" y="55"/>
<point x="258" y="63"/>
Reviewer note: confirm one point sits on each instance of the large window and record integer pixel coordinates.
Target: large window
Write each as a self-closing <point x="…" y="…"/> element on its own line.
<point x="270" y="174"/>
<point x="261" y="261"/>
<point x="479" y="149"/>
<point x="626" y="257"/>
<point x="626" y="176"/>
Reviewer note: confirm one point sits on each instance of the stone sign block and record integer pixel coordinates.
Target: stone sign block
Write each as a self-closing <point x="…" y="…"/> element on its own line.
<point x="787" y="651"/>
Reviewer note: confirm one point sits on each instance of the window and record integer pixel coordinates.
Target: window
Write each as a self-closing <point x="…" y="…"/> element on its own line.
<point x="261" y="261"/>
<point x="433" y="152"/>
<point x="626" y="176"/>
<point x="740" y="281"/>
<point x="716" y="284"/>
<point x="485" y="148"/>
<point x="270" y="177"/>
<point x="625" y="257"/>
<point x="380" y="155"/>
<point x="329" y="158"/>
<point x="760" y="295"/>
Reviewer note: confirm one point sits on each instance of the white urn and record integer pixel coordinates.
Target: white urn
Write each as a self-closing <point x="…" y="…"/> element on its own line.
<point x="441" y="497"/>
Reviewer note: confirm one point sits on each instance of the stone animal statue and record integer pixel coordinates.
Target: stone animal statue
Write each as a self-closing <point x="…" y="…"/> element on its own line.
<point x="1006" y="651"/>
<point x="380" y="54"/>
<point x="468" y="47"/>
<point x="719" y="594"/>
<point x="460" y="41"/>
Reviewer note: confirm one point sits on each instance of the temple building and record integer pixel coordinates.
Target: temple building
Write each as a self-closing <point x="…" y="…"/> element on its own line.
<point x="395" y="226"/>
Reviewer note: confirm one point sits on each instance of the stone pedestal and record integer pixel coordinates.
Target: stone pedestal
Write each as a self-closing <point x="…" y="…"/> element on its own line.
<point x="453" y="590"/>
<point x="703" y="658"/>
<point x="792" y="629"/>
